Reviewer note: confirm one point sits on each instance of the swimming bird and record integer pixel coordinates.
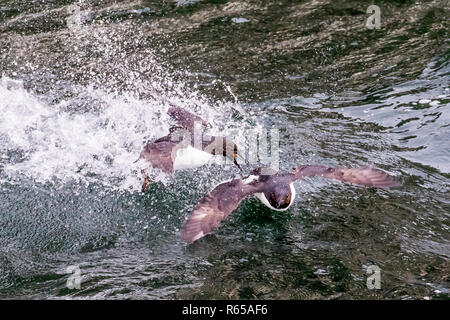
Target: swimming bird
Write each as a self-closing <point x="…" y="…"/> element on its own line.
<point x="185" y="146"/>
<point x="276" y="191"/>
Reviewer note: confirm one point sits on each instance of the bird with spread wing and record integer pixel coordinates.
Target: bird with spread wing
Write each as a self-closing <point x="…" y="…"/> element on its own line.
<point x="275" y="191"/>
<point x="180" y="150"/>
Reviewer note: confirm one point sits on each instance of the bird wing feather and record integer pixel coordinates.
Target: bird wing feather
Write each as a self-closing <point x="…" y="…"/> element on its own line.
<point x="366" y="176"/>
<point x="216" y="206"/>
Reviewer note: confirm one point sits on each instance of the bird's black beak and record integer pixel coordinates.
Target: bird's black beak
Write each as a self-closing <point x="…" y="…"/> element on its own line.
<point x="237" y="156"/>
<point x="236" y="163"/>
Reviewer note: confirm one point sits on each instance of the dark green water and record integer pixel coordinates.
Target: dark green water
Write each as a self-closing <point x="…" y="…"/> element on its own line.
<point x="76" y="105"/>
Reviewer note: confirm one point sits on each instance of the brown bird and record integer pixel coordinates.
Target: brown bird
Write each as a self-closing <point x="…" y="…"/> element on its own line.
<point x="276" y="191"/>
<point x="182" y="149"/>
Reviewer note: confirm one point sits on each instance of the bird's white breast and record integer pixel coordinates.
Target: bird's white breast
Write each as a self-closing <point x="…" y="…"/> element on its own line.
<point x="190" y="157"/>
<point x="261" y="196"/>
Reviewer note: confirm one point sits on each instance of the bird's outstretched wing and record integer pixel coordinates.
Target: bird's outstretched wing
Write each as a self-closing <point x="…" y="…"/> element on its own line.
<point x="184" y="118"/>
<point x="366" y="176"/>
<point x="215" y="207"/>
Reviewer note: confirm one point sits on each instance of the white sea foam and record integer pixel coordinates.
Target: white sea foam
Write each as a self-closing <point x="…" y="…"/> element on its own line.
<point x="98" y="145"/>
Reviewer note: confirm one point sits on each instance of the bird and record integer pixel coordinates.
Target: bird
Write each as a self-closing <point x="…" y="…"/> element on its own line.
<point x="276" y="191"/>
<point x="184" y="147"/>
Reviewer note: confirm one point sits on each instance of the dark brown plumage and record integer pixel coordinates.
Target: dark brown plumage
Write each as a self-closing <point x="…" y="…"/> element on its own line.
<point x="215" y="207"/>
<point x="365" y="176"/>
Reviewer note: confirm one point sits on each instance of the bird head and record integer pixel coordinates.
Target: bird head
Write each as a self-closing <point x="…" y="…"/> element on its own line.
<point x="280" y="197"/>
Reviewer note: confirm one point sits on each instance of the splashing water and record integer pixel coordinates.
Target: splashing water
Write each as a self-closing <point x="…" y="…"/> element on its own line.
<point x="46" y="142"/>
